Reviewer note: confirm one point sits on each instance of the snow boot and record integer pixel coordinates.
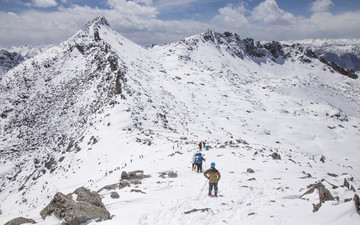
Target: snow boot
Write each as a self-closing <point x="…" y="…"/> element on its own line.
<point x="215" y="194"/>
<point x="209" y="194"/>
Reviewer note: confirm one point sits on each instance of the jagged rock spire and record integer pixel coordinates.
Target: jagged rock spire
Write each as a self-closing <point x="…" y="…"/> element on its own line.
<point x="98" y="21"/>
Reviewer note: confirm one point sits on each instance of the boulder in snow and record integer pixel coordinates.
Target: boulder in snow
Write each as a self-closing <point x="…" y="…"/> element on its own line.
<point x="134" y="176"/>
<point x="87" y="206"/>
<point x="357" y="203"/>
<point x="170" y="174"/>
<point x="324" y="194"/>
<point x="276" y="156"/>
<point x="249" y="170"/>
<point x="114" y="195"/>
<point x="197" y="210"/>
<point x="20" y="220"/>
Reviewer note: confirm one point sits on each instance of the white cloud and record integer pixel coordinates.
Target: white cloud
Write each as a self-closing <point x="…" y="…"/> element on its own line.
<point x="140" y="23"/>
<point x="231" y="14"/>
<point x="173" y="4"/>
<point x="269" y="22"/>
<point x="321" y="6"/>
<point x="270" y="13"/>
<point x="137" y="22"/>
<point x="44" y="3"/>
<point x="132" y="9"/>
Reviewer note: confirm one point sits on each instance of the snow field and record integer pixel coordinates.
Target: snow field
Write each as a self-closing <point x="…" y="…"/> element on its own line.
<point x="275" y="192"/>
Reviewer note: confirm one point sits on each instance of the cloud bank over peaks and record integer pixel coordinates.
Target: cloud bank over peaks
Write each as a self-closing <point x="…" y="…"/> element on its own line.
<point x="267" y="21"/>
<point x="149" y="22"/>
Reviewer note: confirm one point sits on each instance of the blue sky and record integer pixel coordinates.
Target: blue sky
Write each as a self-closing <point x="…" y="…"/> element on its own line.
<point x="145" y="22"/>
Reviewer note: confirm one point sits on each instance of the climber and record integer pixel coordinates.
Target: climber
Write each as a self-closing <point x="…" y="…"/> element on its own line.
<point x="193" y="161"/>
<point x="198" y="162"/>
<point x="214" y="176"/>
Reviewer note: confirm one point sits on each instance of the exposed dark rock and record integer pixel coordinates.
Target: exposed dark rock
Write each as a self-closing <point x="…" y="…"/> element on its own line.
<point x="20" y="220"/>
<point x="249" y="170"/>
<point x="332" y="175"/>
<point x="123" y="184"/>
<point x="88" y="206"/>
<point x="177" y="152"/>
<point x="138" y="191"/>
<point x="134" y="176"/>
<point x="197" y="210"/>
<point x="324" y="194"/>
<point x="170" y="174"/>
<point x="120" y="185"/>
<point x="9" y="60"/>
<point x="93" y="198"/>
<point x="346" y="183"/>
<point x="322" y="159"/>
<point x="276" y="156"/>
<point x="275" y="48"/>
<point x="114" y="195"/>
<point x="50" y="163"/>
<point x="308" y="175"/>
<point x="357" y="203"/>
<point x="109" y="187"/>
<point x="253" y="48"/>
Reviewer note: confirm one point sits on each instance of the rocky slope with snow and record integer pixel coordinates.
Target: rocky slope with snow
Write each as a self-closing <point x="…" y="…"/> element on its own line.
<point x="9" y="60"/>
<point x="344" y="52"/>
<point x="83" y="112"/>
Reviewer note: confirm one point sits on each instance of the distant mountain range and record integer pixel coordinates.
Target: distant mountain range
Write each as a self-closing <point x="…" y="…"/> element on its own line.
<point x="344" y="52"/>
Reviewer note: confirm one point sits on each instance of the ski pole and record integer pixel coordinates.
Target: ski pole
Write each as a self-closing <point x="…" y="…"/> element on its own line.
<point x="203" y="188"/>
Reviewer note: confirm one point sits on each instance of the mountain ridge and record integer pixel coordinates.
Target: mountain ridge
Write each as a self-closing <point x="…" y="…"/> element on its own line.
<point x="99" y="100"/>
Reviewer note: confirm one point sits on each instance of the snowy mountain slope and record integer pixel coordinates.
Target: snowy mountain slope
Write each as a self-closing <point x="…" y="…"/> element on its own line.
<point x="344" y="52"/>
<point x="108" y="101"/>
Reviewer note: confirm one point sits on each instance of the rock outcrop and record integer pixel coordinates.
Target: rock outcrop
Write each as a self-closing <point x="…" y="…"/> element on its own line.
<point x="357" y="203"/>
<point x="324" y="194"/>
<point x="87" y="206"/>
<point x="20" y="220"/>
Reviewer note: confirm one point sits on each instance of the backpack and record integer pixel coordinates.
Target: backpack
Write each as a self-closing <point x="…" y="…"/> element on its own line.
<point x="198" y="159"/>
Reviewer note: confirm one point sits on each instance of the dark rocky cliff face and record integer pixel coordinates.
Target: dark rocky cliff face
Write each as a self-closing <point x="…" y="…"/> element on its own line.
<point x="9" y="60"/>
<point x="349" y="61"/>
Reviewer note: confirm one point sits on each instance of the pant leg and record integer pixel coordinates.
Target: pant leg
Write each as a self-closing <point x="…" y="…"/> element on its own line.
<point x="211" y="185"/>
<point x="216" y="187"/>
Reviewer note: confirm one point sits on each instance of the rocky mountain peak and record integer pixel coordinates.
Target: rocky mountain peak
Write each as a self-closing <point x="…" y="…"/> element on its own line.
<point x="98" y="21"/>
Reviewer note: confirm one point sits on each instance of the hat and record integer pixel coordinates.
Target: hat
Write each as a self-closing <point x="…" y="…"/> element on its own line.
<point x="212" y="164"/>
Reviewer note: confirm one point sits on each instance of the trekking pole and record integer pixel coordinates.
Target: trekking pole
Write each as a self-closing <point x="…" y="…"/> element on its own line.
<point x="203" y="188"/>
